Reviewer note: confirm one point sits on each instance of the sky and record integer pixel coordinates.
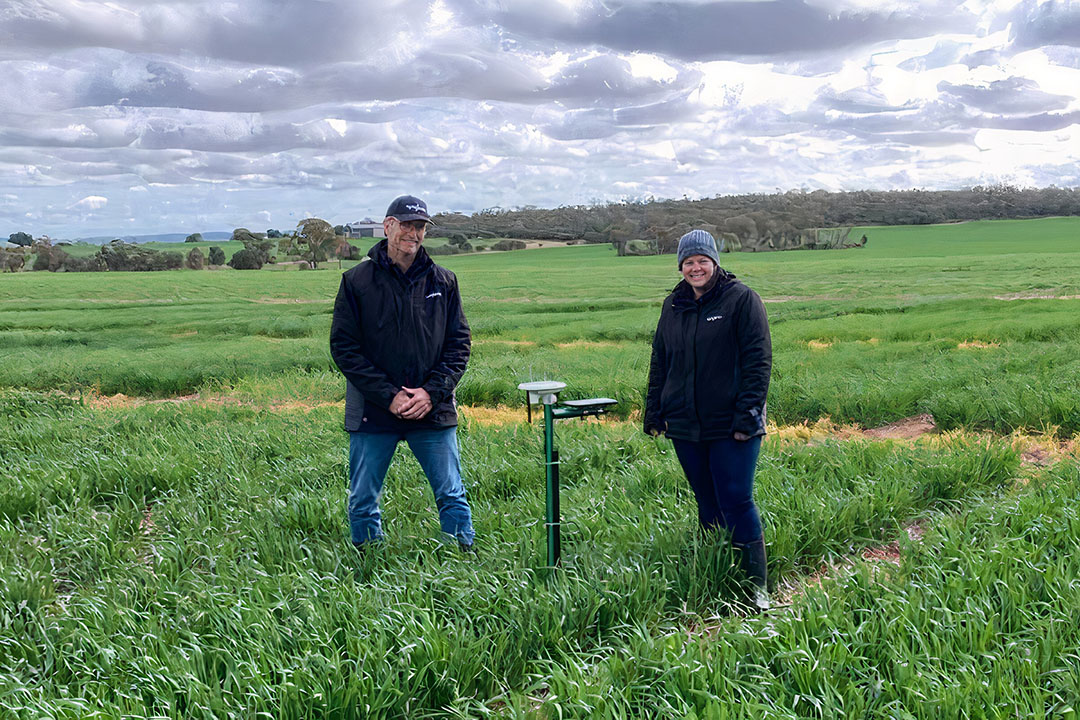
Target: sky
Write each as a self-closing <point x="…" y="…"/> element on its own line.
<point x="135" y="116"/>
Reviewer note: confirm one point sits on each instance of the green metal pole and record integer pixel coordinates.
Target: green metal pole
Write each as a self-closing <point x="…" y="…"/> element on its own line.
<point x="552" y="476"/>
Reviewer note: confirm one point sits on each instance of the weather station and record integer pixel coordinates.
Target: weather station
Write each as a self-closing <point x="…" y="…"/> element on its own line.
<point x="546" y="393"/>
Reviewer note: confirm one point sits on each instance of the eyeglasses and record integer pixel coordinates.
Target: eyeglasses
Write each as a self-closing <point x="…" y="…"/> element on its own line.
<point x="419" y="226"/>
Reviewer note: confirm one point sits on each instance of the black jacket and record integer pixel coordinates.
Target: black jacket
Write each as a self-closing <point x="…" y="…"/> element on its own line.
<point x="711" y="360"/>
<point x="394" y="330"/>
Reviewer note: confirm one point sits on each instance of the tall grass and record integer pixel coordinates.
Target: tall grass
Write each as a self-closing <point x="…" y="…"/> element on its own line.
<point x="193" y="561"/>
<point x="909" y="324"/>
<point x="980" y="620"/>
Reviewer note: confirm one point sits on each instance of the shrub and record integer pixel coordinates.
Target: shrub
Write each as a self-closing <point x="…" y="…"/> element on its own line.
<point x="120" y="256"/>
<point x="246" y="259"/>
<point x="11" y="260"/>
<point x="195" y="259"/>
<point x="507" y="244"/>
<point x="217" y="256"/>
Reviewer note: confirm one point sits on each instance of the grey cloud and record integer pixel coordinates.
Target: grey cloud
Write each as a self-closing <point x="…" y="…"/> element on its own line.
<point x="92" y="78"/>
<point x="951" y="52"/>
<point x="271" y="33"/>
<point x="1037" y="24"/>
<point x="710" y="30"/>
<point x="858" y="100"/>
<point x="945" y="52"/>
<point x="1011" y="96"/>
<point x="981" y="58"/>
<point x="1063" y="55"/>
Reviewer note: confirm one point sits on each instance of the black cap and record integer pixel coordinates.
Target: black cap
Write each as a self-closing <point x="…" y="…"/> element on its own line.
<point x="408" y="207"/>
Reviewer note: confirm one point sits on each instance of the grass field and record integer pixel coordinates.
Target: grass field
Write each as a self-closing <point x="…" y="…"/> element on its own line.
<point x="180" y="550"/>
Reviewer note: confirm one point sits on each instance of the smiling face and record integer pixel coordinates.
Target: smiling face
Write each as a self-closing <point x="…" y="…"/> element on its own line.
<point x="403" y="239"/>
<point x="697" y="270"/>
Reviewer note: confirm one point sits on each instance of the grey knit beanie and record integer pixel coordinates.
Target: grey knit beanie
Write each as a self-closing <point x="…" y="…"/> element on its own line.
<point x="698" y="242"/>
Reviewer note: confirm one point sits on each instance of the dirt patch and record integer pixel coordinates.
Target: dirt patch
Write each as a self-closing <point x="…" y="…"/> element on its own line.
<point x="816" y="432"/>
<point x="1037" y="457"/>
<point x="500" y="415"/>
<point x="586" y="344"/>
<point x="798" y="298"/>
<point x="120" y="400"/>
<point x="533" y="245"/>
<point x="889" y="552"/>
<point x="819" y="344"/>
<point x="977" y="345"/>
<point x="905" y="429"/>
<point x="287" y="301"/>
<point x="513" y="343"/>
<point x="1035" y="296"/>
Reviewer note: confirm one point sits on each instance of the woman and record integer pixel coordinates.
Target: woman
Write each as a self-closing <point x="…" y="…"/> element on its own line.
<point x="708" y="380"/>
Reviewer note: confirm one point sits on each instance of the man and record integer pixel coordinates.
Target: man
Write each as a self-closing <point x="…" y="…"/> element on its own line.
<point x="400" y="337"/>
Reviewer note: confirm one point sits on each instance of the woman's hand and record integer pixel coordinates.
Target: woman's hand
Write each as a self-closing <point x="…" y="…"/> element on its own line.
<point x="741" y="437"/>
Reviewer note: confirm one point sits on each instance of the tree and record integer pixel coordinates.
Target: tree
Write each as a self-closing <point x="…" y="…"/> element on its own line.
<point x="345" y="250"/>
<point x="275" y="234"/>
<point x="12" y="260"/>
<point x="316" y="239"/>
<point x="21" y="238"/>
<point x="243" y="235"/>
<point x="121" y="256"/>
<point x="195" y="259"/>
<point x="255" y="243"/>
<point x="194" y="238"/>
<point x="217" y="255"/>
<point x="42" y="250"/>
<point x="340" y="230"/>
<point x="246" y="259"/>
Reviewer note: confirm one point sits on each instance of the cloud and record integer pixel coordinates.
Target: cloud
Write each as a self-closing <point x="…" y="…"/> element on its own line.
<point x="194" y="116"/>
<point x="711" y="30"/>
<point x="90" y="202"/>
<point x="1010" y="96"/>
<point x="1036" y="24"/>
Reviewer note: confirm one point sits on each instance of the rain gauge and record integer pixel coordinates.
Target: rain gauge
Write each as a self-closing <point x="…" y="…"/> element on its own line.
<point x="546" y="393"/>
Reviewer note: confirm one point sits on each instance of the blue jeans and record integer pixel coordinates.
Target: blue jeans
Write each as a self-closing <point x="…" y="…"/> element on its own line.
<point x="721" y="474"/>
<point x="438" y="455"/>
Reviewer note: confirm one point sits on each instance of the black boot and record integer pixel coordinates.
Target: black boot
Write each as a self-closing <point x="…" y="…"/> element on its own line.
<point x="752" y="562"/>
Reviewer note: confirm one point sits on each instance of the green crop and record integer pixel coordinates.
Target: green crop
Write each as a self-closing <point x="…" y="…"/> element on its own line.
<point x="167" y="555"/>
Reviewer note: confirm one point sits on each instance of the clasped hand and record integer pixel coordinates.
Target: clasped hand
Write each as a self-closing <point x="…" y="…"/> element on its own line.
<point x="411" y="403"/>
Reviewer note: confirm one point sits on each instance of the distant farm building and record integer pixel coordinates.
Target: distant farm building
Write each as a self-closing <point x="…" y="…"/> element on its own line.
<point x="367" y="228"/>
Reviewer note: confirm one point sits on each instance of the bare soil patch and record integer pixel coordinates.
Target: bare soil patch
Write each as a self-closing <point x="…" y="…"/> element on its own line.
<point x="906" y="429"/>
<point x="977" y="345"/>
<point x="287" y="301"/>
<point x="496" y="341"/>
<point x="819" y="344"/>
<point x="889" y="552"/>
<point x="1037" y="457"/>
<point x="1035" y="296"/>
<point x="798" y="298"/>
<point x="586" y="344"/>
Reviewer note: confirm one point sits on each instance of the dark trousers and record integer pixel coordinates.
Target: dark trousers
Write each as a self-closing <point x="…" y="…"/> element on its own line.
<point x="721" y="474"/>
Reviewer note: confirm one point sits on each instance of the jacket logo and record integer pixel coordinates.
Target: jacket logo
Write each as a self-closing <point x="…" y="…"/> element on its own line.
<point x="714" y="317"/>
<point x="434" y="294"/>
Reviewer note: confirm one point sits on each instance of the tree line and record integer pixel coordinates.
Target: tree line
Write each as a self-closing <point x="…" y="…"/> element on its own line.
<point x="751" y="222"/>
<point x="757" y="222"/>
<point x="314" y="241"/>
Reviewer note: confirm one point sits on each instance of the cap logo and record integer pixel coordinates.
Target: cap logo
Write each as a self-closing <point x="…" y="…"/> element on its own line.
<point x="416" y="208"/>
